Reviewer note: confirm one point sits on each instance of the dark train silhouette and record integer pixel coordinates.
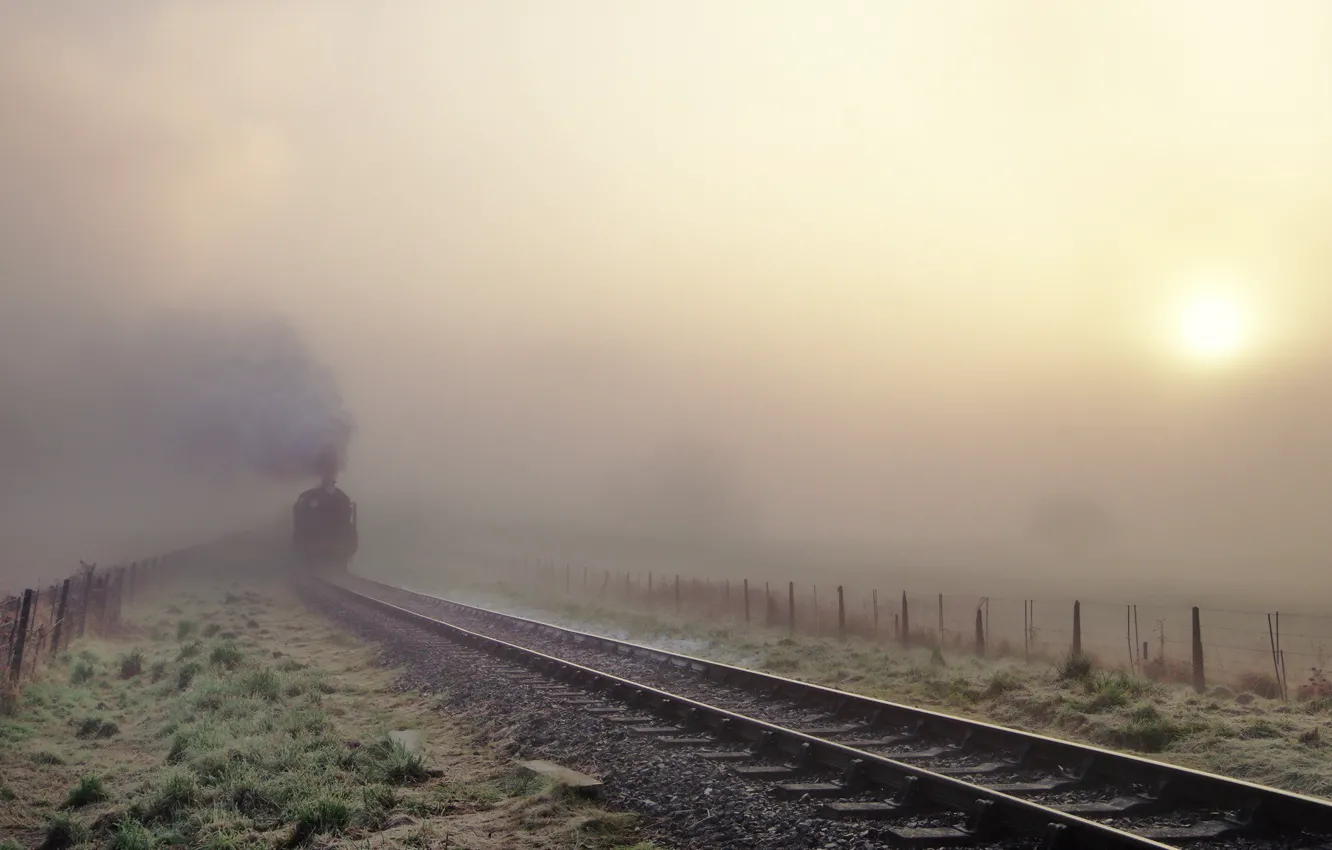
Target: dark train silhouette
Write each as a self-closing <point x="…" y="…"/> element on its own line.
<point x="324" y="534"/>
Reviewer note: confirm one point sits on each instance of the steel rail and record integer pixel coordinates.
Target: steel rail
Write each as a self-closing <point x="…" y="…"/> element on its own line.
<point x="1263" y="808"/>
<point x="989" y="811"/>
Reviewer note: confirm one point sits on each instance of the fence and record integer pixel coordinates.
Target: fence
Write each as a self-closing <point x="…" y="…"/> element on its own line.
<point x="37" y="623"/>
<point x="1253" y="650"/>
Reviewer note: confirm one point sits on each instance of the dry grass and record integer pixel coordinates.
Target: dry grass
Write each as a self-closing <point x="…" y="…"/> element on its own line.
<point x="269" y="730"/>
<point x="1244" y="733"/>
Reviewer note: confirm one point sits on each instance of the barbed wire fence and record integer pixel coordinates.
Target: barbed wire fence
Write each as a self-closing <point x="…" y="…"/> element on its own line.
<point x="36" y="624"/>
<point x="1262" y="652"/>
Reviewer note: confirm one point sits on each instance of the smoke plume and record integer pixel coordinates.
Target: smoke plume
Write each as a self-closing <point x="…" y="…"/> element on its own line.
<point x="131" y="436"/>
<point x="250" y="394"/>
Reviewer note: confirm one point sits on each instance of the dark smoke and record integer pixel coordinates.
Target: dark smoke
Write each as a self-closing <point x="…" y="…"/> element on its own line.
<point x="204" y="392"/>
<point x="251" y="394"/>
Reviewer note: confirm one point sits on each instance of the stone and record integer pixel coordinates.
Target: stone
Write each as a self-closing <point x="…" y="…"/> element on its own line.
<point x="580" y="782"/>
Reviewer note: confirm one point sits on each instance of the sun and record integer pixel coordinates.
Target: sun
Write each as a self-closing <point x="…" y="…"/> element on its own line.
<point x="1212" y="329"/>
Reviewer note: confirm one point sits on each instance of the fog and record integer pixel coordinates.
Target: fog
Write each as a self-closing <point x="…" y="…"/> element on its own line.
<point x="814" y="283"/>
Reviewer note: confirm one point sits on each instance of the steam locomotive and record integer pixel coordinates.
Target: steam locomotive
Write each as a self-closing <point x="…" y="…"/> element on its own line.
<point x="324" y="534"/>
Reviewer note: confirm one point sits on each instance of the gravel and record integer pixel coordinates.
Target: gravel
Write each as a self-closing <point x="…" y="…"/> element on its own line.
<point x="689" y="803"/>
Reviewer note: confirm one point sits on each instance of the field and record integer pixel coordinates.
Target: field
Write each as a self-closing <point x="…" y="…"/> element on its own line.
<point x="230" y="718"/>
<point x="1136" y="615"/>
<point x="1233" y="730"/>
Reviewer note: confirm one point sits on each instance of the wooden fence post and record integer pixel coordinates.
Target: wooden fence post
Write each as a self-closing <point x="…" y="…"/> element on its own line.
<point x="1026" y="633"/>
<point x="1032" y="625"/>
<point x="1128" y="636"/>
<point x="790" y="595"/>
<point x="841" y="614"/>
<point x="1199" y="680"/>
<point x="906" y="623"/>
<point x="980" y="633"/>
<point x="767" y="604"/>
<point x="677" y="594"/>
<point x="1077" y="627"/>
<point x="941" y="625"/>
<point x="60" y="617"/>
<point x="874" y="596"/>
<point x="20" y="638"/>
<point x="746" y="602"/>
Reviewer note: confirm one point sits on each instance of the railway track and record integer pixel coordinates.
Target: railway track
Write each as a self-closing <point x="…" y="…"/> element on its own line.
<point x="924" y="779"/>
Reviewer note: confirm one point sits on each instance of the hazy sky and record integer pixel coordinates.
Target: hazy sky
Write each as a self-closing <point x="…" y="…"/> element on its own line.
<point x="883" y="269"/>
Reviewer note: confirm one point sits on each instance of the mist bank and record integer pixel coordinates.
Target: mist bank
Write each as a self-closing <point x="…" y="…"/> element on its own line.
<point x="1125" y="468"/>
<point x="401" y="541"/>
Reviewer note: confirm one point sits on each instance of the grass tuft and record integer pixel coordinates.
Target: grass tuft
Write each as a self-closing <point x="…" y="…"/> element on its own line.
<point x="391" y="762"/>
<point x="262" y="683"/>
<point x="132" y="835"/>
<point x="171" y="800"/>
<point x="377" y="801"/>
<point x="63" y="831"/>
<point x="1074" y="667"/>
<point x="1002" y="682"/>
<point x="1107" y="690"/>
<point x="131" y="664"/>
<point x="1143" y="728"/>
<point x="185" y="628"/>
<point x="323" y="814"/>
<point x="226" y="654"/>
<point x="90" y="790"/>
<point x="96" y="727"/>
<point x="83" y="671"/>
<point x="185" y="675"/>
